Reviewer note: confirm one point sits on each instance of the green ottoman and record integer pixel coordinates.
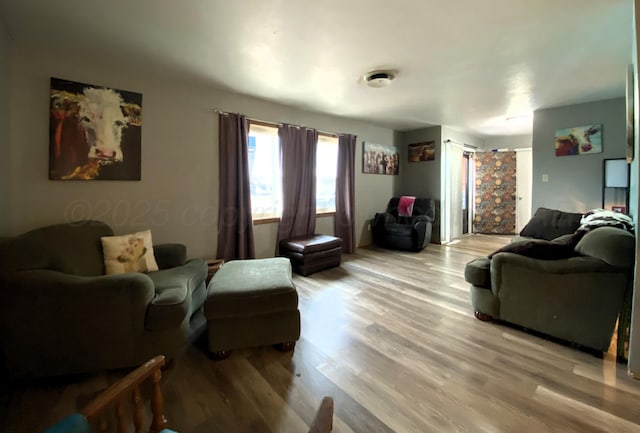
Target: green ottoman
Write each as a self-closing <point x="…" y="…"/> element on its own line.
<point x="252" y="303"/>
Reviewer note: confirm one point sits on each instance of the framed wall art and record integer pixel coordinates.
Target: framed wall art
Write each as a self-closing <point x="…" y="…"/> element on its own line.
<point x="422" y="151"/>
<point x="94" y="132"/>
<point x="380" y="159"/>
<point x="579" y="140"/>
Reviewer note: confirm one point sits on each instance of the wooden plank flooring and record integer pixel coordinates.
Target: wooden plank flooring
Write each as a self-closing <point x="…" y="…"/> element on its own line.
<point x="392" y="337"/>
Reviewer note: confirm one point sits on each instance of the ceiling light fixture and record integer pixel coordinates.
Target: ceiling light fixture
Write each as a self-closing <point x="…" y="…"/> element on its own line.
<point x="379" y="78"/>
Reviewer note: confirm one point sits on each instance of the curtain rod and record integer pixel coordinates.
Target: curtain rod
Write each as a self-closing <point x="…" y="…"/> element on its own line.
<point x="448" y="140"/>
<point x="278" y="124"/>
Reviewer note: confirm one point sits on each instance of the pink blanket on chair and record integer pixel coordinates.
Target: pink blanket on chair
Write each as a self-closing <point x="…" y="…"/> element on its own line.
<point x="405" y="205"/>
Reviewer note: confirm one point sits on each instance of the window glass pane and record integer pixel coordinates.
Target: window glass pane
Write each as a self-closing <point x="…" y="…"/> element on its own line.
<point x="264" y="172"/>
<point x="326" y="171"/>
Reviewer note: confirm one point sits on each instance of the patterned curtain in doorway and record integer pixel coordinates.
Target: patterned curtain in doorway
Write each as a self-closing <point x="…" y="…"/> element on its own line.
<point x="495" y="203"/>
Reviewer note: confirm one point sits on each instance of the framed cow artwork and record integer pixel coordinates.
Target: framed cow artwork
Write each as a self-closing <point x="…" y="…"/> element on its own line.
<point x="94" y="132"/>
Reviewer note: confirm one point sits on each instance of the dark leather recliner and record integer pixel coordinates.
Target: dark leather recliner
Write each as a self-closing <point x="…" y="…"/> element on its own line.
<point x="401" y="232"/>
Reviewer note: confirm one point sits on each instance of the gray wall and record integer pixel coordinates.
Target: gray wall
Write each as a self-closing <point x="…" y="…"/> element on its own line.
<point x="511" y="142"/>
<point x="178" y="195"/>
<point x="575" y="182"/>
<point x="422" y="179"/>
<point x="5" y="149"/>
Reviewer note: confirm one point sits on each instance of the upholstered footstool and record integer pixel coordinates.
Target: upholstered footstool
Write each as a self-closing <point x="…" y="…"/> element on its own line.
<point x="252" y="303"/>
<point x="309" y="255"/>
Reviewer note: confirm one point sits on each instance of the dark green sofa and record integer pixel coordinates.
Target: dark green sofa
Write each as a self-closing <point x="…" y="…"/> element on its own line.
<point x="576" y="299"/>
<point x="61" y="315"/>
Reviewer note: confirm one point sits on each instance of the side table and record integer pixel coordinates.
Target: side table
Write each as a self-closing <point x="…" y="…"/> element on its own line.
<point x="212" y="267"/>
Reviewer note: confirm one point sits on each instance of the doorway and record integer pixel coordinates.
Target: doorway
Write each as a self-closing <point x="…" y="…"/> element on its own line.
<point x="467" y="189"/>
<point x="495" y="201"/>
<point x="524" y="180"/>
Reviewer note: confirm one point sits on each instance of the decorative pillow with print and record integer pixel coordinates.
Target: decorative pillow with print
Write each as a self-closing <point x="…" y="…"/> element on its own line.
<point x="129" y="253"/>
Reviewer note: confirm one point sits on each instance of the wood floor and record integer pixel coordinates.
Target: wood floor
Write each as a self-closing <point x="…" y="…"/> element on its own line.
<point x="392" y="337"/>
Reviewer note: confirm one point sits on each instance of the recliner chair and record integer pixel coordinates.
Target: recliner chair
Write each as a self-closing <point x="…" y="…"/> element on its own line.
<point x="412" y="233"/>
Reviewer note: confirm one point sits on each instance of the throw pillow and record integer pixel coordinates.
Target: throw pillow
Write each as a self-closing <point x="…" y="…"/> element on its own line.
<point x="539" y="249"/>
<point x="129" y="253"/>
<point x="548" y="224"/>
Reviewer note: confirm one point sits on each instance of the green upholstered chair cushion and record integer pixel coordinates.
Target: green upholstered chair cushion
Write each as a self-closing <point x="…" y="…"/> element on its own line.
<point x="172" y="301"/>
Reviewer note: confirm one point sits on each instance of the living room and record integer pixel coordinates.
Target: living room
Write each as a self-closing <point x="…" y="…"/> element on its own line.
<point x="177" y="197"/>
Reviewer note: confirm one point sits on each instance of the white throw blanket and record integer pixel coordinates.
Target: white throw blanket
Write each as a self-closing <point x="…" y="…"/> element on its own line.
<point x="601" y="217"/>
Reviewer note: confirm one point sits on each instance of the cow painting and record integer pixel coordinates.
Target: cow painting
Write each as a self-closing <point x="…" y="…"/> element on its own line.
<point x="579" y="140"/>
<point x="94" y="132"/>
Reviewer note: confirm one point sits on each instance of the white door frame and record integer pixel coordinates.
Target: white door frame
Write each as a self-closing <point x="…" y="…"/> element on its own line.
<point x="523" y="182"/>
<point x="447" y="192"/>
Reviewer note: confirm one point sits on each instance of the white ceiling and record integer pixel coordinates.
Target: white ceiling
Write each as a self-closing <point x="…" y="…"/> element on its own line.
<point x="467" y="64"/>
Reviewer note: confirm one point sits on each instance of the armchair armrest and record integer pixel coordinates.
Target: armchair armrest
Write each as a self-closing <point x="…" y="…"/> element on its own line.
<point x="383" y="218"/>
<point x="170" y="255"/>
<point x="421" y="218"/>
<point x="52" y="312"/>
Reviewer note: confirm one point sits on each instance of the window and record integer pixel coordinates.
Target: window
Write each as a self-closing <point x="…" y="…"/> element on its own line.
<point x="264" y="172"/>
<point x="326" y="172"/>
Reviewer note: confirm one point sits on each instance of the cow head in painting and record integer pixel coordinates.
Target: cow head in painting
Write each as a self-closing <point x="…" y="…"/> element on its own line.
<point x="101" y="116"/>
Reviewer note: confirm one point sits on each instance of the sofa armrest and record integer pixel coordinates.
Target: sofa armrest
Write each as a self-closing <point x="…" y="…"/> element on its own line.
<point x="516" y="264"/>
<point x="170" y="255"/>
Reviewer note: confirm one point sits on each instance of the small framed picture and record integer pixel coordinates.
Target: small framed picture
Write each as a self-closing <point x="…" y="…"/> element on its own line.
<point x="621" y="209"/>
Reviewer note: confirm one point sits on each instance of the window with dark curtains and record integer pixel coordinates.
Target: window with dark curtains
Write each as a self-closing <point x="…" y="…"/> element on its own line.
<point x="235" y="225"/>
<point x="344" y="221"/>
<point x="298" y="155"/>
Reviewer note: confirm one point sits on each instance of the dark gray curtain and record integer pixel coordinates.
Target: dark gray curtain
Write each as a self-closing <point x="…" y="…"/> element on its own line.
<point x="344" y="221"/>
<point x="298" y="155"/>
<point x="235" y="226"/>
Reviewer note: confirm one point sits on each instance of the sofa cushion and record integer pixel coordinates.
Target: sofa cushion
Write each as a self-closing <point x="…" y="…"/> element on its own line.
<point x="129" y="253"/>
<point x="538" y="249"/>
<point x="548" y="224"/>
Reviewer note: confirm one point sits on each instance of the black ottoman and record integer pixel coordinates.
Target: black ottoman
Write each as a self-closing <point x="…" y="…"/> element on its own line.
<point x="309" y="255"/>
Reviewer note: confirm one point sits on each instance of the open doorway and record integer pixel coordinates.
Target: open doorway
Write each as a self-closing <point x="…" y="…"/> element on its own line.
<point x="467" y="190"/>
<point x="458" y="183"/>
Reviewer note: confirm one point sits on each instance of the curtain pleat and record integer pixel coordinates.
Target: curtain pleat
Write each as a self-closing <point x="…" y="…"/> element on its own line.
<point x="235" y="225"/>
<point x="344" y="221"/>
<point x="298" y="156"/>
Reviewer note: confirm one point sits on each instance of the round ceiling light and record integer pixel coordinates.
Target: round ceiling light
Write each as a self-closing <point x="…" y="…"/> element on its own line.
<point x="379" y="78"/>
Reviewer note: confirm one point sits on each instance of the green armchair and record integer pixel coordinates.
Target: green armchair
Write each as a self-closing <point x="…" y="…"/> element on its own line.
<point x="61" y="315"/>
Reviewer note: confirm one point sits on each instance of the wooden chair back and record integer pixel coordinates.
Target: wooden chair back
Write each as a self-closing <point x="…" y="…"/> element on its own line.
<point x="127" y="390"/>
